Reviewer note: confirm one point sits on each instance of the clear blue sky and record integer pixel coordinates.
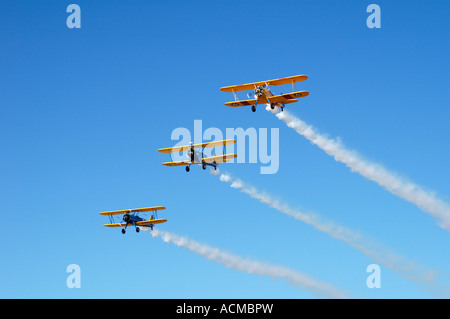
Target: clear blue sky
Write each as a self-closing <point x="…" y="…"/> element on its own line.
<point x="83" y="111"/>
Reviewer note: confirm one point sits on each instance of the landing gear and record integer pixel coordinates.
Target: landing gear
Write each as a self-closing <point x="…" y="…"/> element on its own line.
<point x="253" y="108"/>
<point x="204" y="165"/>
<point x="187" y="169"/>
<point x="272" y="106"/>
<point x="137" y="230"/>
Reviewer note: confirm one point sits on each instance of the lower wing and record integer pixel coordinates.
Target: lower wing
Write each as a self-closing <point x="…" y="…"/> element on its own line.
<point x="151" y="222"/>
<point x="219" y="158"/>
<point x="282" y="98"/>
<point x="140" y="223"/>
<point x="242" y="103"/>
<point x="177" y="163"/>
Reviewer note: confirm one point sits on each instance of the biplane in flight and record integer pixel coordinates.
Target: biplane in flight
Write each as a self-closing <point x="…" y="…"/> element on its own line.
<point x="262" y="94"/>
<point x="196" y="157"/>
<point x="131" y="218"/>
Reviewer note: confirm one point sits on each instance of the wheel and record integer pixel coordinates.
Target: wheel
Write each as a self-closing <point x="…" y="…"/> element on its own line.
<point x="123" y="230"/>
<point x="272" y="106"/>
<point x="187" y="168"/>
<point x="204" y="166"/>
<point x="254" y="108"/>
<point x="137" y="229"/>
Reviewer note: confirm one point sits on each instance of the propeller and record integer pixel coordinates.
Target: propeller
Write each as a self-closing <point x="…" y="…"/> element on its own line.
<point x="126" y="218"/>
<point x="259" y="90"/>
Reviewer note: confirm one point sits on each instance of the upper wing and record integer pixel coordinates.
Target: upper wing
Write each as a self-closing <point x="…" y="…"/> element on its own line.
<point x="219" y="143"/>
<point x="288" y="80"/>
<point x="251" y="86"/>
<point x="175" y="149"/>
<point x="282" y="98"/>
<point x="200" y="145"/>
<point x="124" y="211"/>
<point x="148" y="209"/>
<point x="219" y="158"/>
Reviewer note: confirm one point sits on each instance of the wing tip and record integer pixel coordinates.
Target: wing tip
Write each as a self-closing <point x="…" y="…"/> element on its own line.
<point x="229" y="156"/>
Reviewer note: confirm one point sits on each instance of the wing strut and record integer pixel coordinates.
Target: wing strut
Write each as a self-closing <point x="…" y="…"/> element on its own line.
<point x="235" y="97"/>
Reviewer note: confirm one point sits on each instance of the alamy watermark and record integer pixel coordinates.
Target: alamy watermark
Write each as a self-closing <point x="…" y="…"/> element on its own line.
<point x="252" y="145"/>
<point x="374" y="19"/>
<point x="374" y="279"/>
<point x="74" y="279"/>
<point x="74" y="19"/>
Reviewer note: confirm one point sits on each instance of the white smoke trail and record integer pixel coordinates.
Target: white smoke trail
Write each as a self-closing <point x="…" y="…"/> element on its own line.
<point x="373" y="251"/>
<point x="424" y="200"/>
<point x="250" y="266"/>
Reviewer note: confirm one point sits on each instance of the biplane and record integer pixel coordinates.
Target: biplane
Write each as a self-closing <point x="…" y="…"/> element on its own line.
<point x="131" y="218"/>
<point x="196" y="157"/>
<point x="262" y="94"/>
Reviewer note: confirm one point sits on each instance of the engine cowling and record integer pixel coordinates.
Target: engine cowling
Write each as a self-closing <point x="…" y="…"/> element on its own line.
<point x="259" y="91"/>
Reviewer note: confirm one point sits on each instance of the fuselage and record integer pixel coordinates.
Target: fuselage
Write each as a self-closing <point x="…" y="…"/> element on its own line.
<point x="266" y="93"/>
<point x="132" y="219"/>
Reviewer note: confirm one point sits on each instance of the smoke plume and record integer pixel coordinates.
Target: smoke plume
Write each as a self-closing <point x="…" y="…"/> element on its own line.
<point x="251" y="266"/>
<point x="370" y="249"/>
<point x="424" y="200"/>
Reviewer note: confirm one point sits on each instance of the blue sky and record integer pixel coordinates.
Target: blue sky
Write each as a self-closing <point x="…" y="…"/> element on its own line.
<point x="83" y="111"/>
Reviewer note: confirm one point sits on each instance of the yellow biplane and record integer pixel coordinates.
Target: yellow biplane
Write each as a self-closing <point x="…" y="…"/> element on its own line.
<point x="262" y="94"/>
<point x="195" y="157"/>
<point x="131" y="217"/>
